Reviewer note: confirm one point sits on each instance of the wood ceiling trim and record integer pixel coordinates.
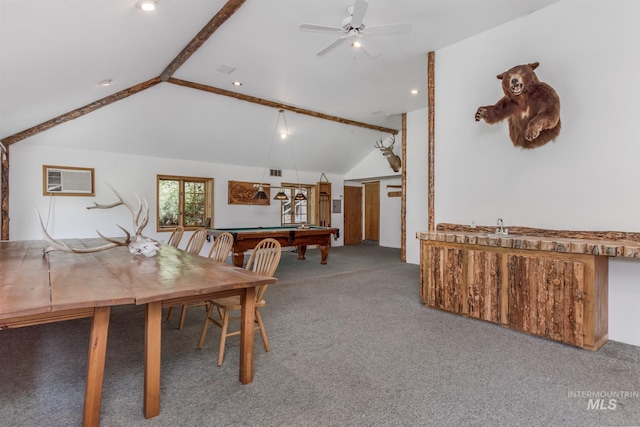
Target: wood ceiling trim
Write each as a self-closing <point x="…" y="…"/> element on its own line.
<point x="80" y="111"/>
<point x="220" y="18"/>
<point x="278" y="105"/>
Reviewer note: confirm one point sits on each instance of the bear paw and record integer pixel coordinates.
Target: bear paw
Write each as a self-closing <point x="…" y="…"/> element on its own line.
<point x="481" y="113"/>
<point x="532" y="132"/>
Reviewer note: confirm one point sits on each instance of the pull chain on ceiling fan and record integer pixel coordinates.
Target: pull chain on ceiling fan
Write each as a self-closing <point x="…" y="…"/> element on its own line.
<point x="353" y="29"/>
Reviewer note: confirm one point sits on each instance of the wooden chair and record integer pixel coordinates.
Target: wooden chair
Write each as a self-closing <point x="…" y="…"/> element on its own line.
<point x="219" y="252"/>
<point x="221" y="247"/>
<point x="263" y="260"/>
<point x="194" y="245"/>
<point x="176" y="236"/>
<point x="196" y="241"/>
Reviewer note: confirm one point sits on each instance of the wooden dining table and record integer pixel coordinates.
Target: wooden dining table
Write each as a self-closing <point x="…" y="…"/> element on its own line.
<point x="36" y="288"/>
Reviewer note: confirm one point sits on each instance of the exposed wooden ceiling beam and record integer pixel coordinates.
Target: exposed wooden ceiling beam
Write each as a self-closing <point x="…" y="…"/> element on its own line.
<point x="220" y="18"/>
<point x="80" y="111"/>
<point x="223" y="14"/>
<point x="278" y="105"/>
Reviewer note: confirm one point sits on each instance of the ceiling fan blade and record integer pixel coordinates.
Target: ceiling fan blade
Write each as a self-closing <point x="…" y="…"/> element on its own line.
<point x="314" y="27"/>
<point x="359" y="10"/>
<point x="379" y="30"/>
<point x="332" y="45"/>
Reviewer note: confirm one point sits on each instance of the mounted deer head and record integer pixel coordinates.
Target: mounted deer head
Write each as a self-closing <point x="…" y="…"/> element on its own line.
<point x="394" y="161"/>
<point x="139" y="244"/>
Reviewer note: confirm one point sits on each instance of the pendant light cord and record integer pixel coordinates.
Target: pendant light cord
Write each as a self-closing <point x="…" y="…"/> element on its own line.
<point x="295" y="167"/>
<point x="273" y="137"/>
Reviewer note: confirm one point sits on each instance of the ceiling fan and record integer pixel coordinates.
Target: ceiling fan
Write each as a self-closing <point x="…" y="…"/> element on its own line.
<point x="353" y="29"/>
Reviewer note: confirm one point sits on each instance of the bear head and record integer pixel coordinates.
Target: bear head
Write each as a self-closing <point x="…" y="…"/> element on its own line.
<point x="516" y="80"/>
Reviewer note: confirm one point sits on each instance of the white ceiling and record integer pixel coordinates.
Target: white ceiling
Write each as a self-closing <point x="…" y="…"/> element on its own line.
<point x="53" y="53"/>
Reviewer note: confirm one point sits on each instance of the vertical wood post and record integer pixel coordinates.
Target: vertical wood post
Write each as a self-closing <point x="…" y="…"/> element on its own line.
<point x="403" y="207"/>
<point x="4" y="191"/>
<point x="431" y="58"/>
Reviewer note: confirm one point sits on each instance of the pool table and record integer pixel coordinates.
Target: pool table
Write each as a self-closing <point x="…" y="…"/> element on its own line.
<point x="245" y="239"/>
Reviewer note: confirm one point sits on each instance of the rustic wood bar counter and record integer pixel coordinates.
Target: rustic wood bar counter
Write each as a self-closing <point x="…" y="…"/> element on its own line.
<point x="549" y="283"/>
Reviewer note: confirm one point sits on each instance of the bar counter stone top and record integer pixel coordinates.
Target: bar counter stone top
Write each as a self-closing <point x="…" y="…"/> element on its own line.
<point x="525" y="238"/>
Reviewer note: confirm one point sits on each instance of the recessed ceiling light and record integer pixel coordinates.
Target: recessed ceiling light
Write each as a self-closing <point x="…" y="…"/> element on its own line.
<point x="147" y="5"/>
<point x="356" y="44"/>
<point x="106" y="82"/>
<point x="237" y="83"/>
<point x="414" y="91"/>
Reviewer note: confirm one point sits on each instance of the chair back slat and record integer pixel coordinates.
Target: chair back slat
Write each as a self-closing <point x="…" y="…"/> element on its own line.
<point x="264" y="260"/>
<point x="221" y="247"/>
<point x="196" y="241"/>
<point x="176" y="236"/>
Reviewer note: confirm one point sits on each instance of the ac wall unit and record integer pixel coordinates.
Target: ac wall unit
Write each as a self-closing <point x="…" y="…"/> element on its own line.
<point x="68" y="181"/>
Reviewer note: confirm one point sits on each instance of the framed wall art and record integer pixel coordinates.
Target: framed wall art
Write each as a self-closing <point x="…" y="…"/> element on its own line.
<point x="241" y="193"/>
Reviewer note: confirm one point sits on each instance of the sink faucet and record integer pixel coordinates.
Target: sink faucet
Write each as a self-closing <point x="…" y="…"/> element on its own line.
<point x="501" y="229"/>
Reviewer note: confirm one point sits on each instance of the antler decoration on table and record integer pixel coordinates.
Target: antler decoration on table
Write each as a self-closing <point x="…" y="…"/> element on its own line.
<point x="139" y="244"/>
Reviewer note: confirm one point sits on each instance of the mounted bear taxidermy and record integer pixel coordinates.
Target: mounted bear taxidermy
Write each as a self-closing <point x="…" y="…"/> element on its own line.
<point x="532" y="107"/>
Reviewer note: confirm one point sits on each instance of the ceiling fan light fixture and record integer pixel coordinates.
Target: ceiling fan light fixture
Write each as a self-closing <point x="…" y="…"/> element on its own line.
<point x="147" y="5"/>
<point x="354" y="26"/>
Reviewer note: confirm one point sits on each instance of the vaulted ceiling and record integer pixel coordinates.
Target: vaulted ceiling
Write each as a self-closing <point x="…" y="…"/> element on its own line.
<point x="54" y="53"/>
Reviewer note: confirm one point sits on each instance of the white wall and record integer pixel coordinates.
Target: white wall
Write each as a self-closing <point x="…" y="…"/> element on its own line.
<point x="390" y="218"/>
<point x="390" y="212"/>
<point x="66" y="217"/>
<point x="417" y="182"/>
<point x="588" y="178"/>
<point x="375" y="167"/>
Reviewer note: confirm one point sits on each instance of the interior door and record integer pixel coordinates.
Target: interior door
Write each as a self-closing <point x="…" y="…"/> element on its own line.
<point x="352" y="215"/>
<point x="372" y="211"/>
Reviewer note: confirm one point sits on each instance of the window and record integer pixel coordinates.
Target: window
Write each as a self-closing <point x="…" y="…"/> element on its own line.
<point x="295" y="211"/>
<point x="185" y="201"/>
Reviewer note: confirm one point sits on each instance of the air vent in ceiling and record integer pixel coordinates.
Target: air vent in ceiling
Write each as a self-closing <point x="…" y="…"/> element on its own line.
<point x="275" y="172"/>
<point x="226" y="69"/>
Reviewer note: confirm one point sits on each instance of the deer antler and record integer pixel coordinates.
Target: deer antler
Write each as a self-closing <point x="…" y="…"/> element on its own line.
<point x="140" y="220"/>
<point x="394" y="161"/>
<point x="61" y="246"/>
<point x="142" y="211"/>
<point x="379" y="144"/>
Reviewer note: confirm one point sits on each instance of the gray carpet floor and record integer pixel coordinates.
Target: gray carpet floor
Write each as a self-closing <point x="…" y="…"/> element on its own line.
<point x="351" y="345"/>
